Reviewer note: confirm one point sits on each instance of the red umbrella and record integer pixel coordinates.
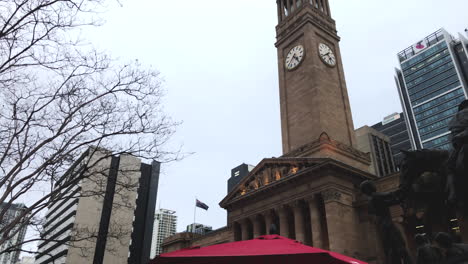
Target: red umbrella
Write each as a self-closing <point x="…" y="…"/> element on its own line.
<point x="272" y="249"/>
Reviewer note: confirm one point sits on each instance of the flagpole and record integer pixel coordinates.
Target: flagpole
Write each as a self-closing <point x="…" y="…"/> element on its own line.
<point x="194" y="217"/>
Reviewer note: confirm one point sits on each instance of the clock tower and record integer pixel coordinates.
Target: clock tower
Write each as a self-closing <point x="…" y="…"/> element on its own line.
<point x="313" y="95"/>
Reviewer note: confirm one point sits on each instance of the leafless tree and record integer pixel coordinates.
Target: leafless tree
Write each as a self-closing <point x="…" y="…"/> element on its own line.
<point x="60" y="97"/>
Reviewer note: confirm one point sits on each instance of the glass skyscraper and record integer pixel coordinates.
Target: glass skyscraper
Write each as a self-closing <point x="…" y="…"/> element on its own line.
<point x="432" y="82"/>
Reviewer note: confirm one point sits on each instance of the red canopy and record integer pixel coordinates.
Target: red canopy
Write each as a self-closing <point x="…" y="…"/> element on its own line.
<point x="272" y="249"/>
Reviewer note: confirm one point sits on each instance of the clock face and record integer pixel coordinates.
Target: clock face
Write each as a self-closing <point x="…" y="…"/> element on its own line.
<point x="327" y="55"/>
<point x="294" y="57"/>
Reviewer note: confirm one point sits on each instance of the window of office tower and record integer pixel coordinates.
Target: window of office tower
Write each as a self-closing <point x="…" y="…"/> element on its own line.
<point x="435" y="91"/>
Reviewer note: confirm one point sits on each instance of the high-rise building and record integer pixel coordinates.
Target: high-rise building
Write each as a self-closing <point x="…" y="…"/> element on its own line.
<point x="105" y="216"/>
<point x="199" y="229"/>
<point x="371" y="141"/>
<point x="394" y="126"/>
<point x="165" y="223"/>
<point x="12" y="212"/>
<point x="432" y="81"/>
<point x="237" y="174"/>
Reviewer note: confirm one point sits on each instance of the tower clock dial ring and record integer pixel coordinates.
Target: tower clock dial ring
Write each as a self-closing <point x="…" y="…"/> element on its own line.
<point x="295" y="57"/>
<point x="327" y="55"/>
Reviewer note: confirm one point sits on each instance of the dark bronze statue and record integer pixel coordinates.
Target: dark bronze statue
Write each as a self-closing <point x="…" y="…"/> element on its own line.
<point x="452" y="253"/>
<point x="423" y="179"/>
<point x="426" y="253"/>
<point x="393" y="242"/>
<point x="458" y="163"/>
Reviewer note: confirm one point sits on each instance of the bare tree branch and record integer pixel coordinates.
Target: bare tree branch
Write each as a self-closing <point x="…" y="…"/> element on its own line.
<point x="60" y="98"/>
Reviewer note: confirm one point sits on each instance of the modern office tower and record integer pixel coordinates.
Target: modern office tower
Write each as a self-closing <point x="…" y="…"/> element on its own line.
<point x="12" y="212"/>
<point x="199" y="229"/>
<point x="378" y="145"/>
<point x="237" y="174"/>
<point x="105" y="213"/>
<point x="165" y="223"/>
<point x="432" y="81"/>
<point x="394" y="126"/>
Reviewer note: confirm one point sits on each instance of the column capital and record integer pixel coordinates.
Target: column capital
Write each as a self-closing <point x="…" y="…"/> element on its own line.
<point x="267" y="213"/>
<point x="310" y="198"/>
<point x="243" y="221"/>
<point x="253" y="218"/>
<point x="295" y="204"/>
<point x="281" y="208"/>
<point x="332" y="195"/>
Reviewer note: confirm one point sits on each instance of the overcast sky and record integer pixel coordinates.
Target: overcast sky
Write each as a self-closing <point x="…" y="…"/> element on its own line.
<point x="219" y="64"/>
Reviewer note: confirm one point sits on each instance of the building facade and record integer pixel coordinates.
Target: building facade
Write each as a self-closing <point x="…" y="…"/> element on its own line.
<point x="12" y="212"/>
<point x="237" y="174"/>
<point x="378" y="145"/>
<point x="103" y="213"/>
<point x="199" y="229"/>
<point x="432" y="81"/>
<point x="311" y="193"/>
<point x="165" y="224"/>
<point x="394" y="126"/>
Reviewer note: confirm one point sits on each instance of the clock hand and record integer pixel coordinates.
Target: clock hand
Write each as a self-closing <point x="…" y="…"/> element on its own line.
<point x="296" y="58"/>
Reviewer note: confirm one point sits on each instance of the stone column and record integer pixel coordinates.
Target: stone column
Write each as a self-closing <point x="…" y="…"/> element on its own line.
<point x="256" y="226"/>
<point x="268" y="222"/>
<point x="245" y="229"/>
<point x="299" y="222"/>
<point x="340" y="217"/>
<point x="280" y="12"/>
<point x="316" y="4"/>
<point x="294" y="5"/>
<point x="283" y="219"/>
<point x="288" y="6"/>
<point x="316" y="222"/>
<point x="327" y="7"/>
<point x="236" y="227"/>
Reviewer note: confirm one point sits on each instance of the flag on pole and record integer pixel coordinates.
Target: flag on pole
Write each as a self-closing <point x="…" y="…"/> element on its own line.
<point x="201" y="205"/>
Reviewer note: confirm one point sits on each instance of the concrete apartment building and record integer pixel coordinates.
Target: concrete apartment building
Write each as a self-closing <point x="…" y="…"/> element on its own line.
<point x="105" y="217"/>
<point x="12" y="212"/>
<point x="165" y="224"/>
<point x="432" y="81"/>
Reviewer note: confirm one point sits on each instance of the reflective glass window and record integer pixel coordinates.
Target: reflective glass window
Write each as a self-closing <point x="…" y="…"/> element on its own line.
<point x="439" y="100"/>
<point x="440" y="107"/>
<point x="424" y="55"/>
<point x="436" y="90"/>
<point x="437" y="132"/>
<point x="443" y="60"/>
<point x="439" y="116"/>
<point x="442" y="70"/>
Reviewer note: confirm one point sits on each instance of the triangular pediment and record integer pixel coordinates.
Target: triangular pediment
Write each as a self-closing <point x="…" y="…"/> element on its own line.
<point x="269" y="171"/>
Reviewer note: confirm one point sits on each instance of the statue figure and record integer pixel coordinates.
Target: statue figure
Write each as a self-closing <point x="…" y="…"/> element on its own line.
<point x="453" y="253"/>
<point x="457" y="180"/>
<point x="426" y="253"/>
<point x="393" y="242"/>
<point x="422" y="180"/>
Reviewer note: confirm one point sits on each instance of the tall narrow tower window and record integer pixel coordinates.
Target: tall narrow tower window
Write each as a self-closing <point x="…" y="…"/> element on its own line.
<point x="285" y="7"/>
<point x="299" y="3"/>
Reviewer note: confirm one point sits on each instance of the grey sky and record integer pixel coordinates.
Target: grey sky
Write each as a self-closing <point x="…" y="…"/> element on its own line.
<point x="219" y="64"/>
